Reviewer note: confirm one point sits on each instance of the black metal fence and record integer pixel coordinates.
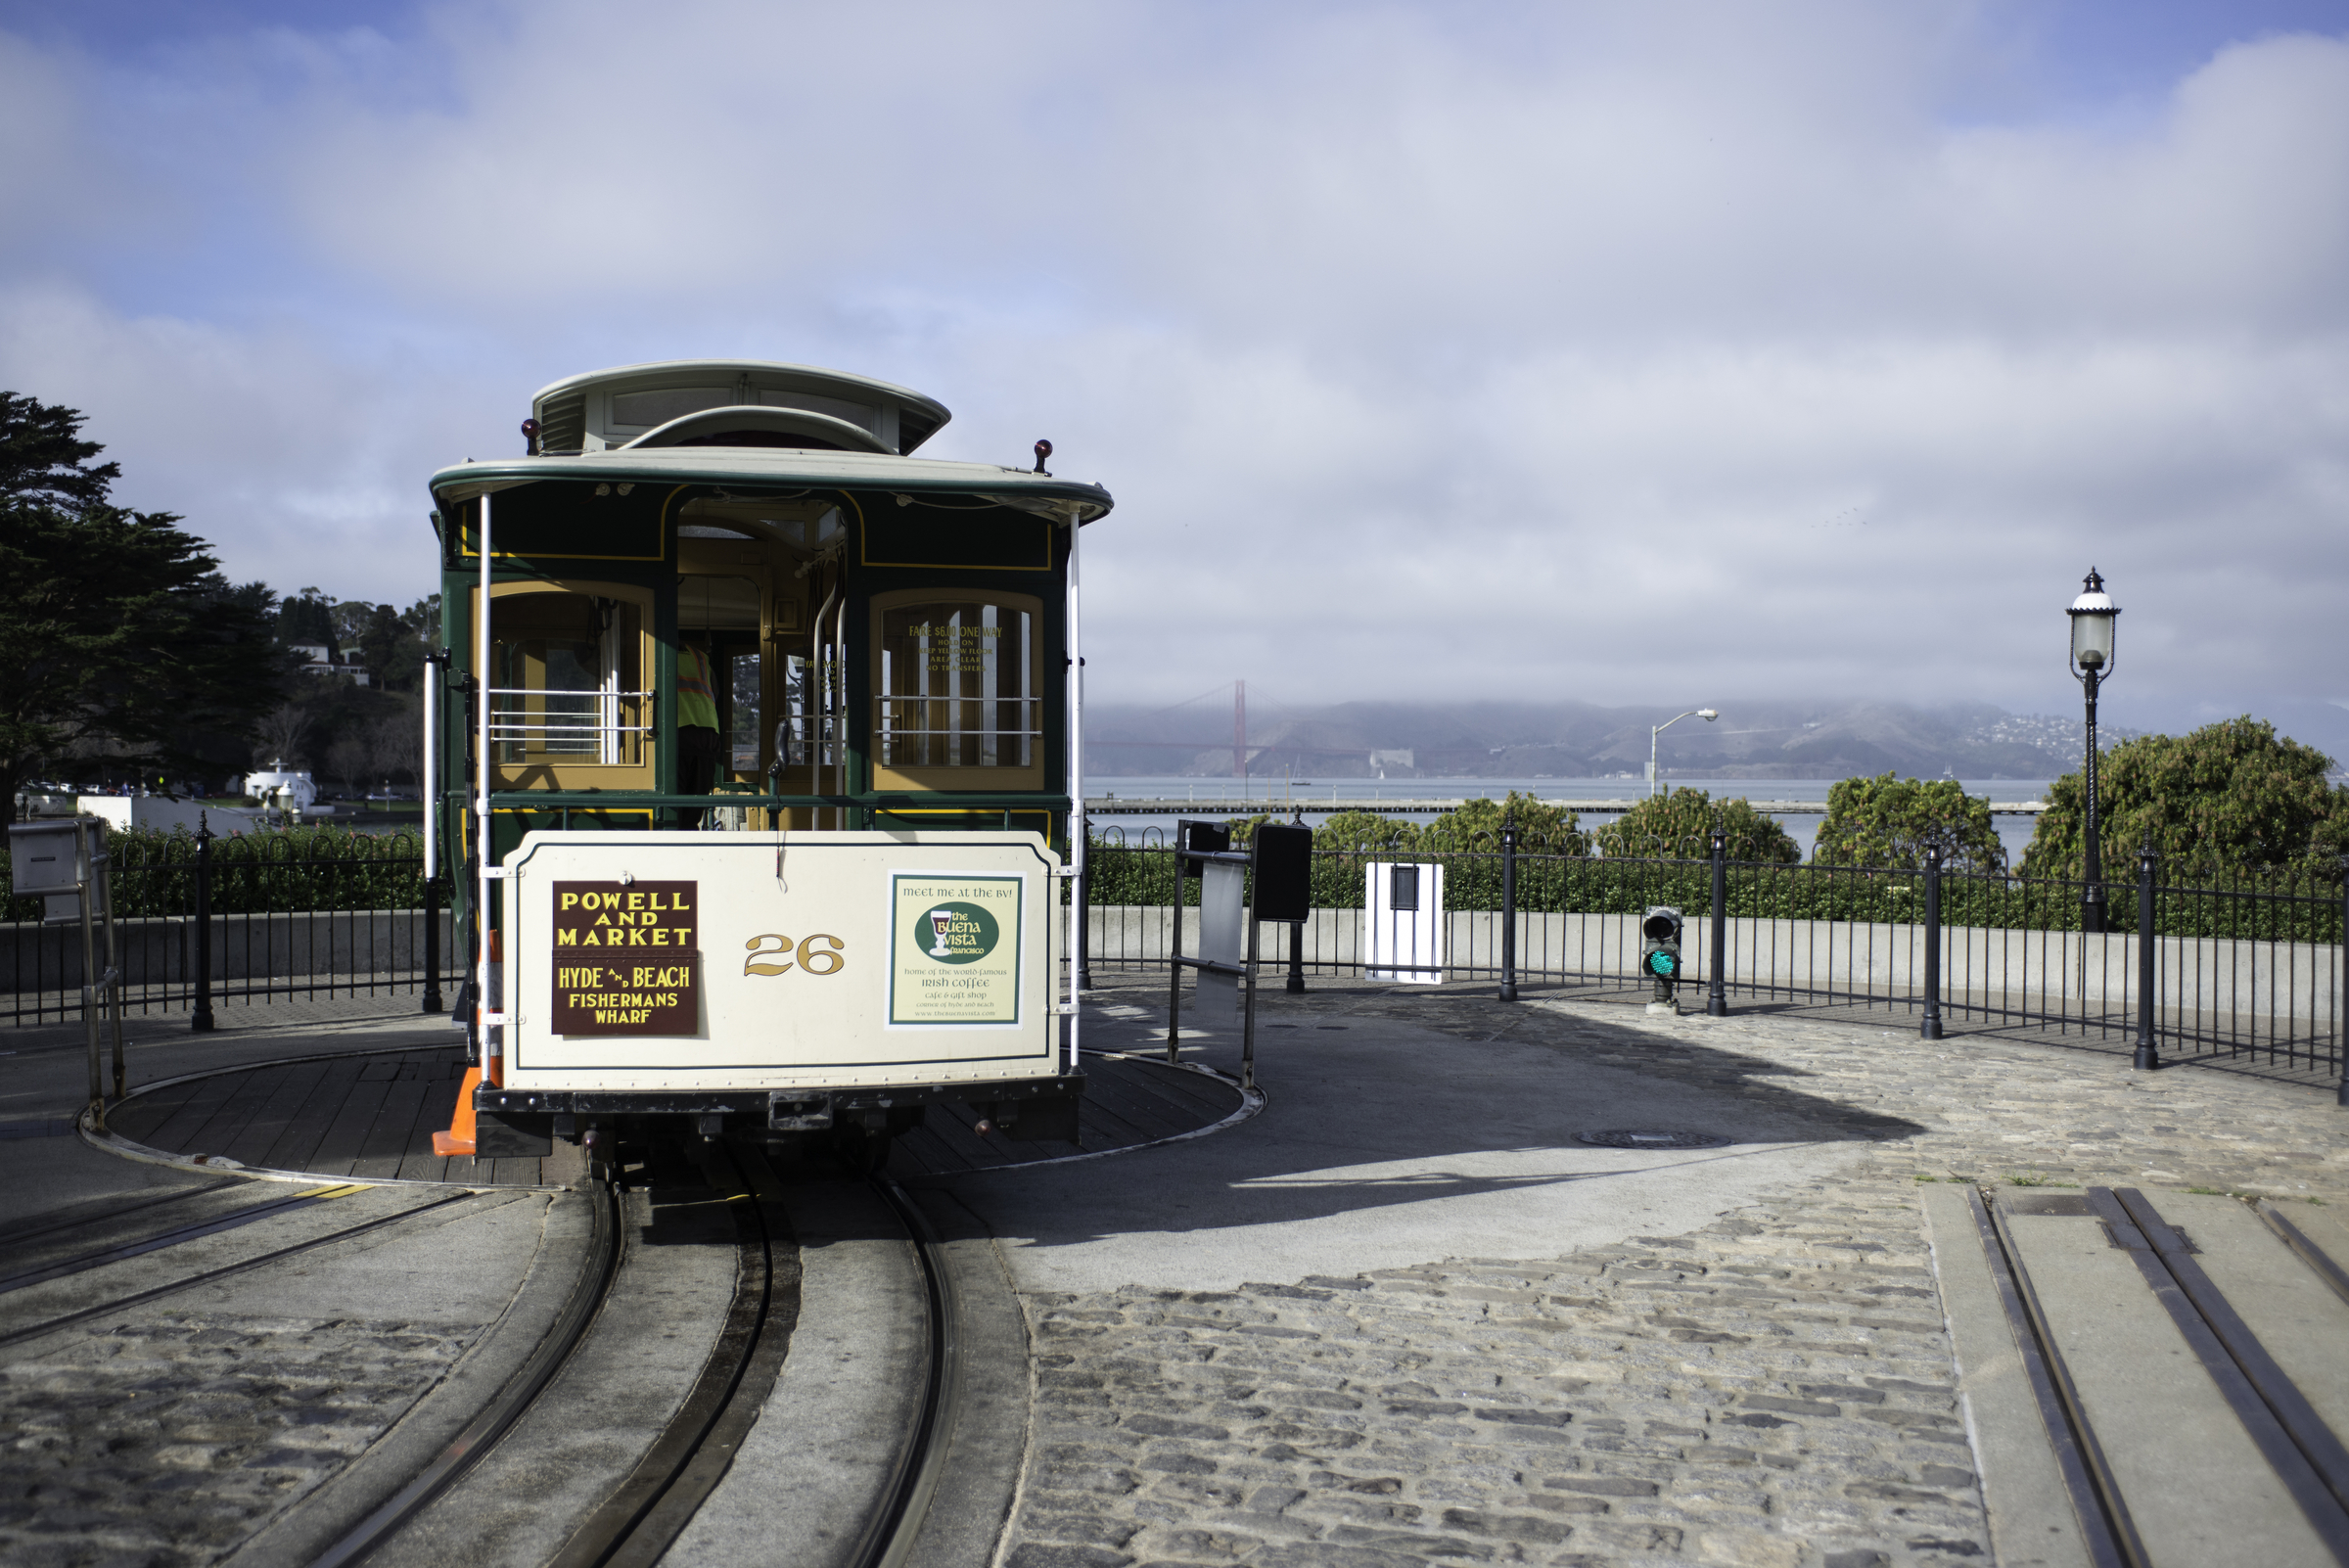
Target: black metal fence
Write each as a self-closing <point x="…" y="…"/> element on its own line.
<point x="2244" y="967"/>
<point x="205" y="918"/>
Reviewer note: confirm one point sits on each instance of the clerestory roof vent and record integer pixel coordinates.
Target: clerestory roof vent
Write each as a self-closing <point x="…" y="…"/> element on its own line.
<point x="729" y="403"/>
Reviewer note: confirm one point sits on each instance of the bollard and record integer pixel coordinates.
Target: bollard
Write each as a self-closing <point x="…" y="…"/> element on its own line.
<point x="1930" y="1028"/>
<point x="1716" y="998"/>
<point x="200" y="1021"/>
<point x="2148" y="978"/>
<point x="1508" y="909"/>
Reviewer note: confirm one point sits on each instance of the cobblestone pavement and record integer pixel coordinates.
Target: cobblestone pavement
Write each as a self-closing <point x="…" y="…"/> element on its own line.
<point x="1774" y="1390"/>
<point x="165" y="1433"/>
<point x="170" y="1441"/>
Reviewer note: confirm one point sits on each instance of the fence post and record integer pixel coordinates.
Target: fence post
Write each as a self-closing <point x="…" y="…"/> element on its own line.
<point x="2146" y="1058"/>
<point x="433" y="1001"/>
<point x="1509" y="909"/>
<point x="1930" y="1028"/>
<point x="2340" y="1003"/>
<point x="200" y="1022"/>
<point x="1717" y="996"/>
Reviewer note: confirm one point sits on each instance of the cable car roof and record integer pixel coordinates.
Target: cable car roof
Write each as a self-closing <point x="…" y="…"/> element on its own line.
<point x="771" y="468"/>
<point x="611" y="407"/>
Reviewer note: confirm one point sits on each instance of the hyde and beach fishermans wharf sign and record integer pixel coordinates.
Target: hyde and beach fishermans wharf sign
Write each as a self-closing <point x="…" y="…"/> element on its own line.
<point x="625" y="961"/>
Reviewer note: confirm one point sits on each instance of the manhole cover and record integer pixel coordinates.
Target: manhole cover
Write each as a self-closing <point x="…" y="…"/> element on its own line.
<point x="1653" y="1140"/>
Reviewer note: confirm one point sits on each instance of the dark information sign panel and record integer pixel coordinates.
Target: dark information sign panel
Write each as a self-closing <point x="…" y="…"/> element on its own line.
<point x="625" y="961"/>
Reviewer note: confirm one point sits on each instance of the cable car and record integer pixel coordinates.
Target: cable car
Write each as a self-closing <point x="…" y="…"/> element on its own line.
<point x="754" y="782"/>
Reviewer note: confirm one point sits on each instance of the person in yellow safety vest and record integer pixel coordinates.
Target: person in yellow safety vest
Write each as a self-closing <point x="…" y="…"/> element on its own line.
<point x="699" y="749"/>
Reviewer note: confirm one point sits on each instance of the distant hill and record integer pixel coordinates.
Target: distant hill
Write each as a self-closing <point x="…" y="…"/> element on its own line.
<point x="1569" y="740"/>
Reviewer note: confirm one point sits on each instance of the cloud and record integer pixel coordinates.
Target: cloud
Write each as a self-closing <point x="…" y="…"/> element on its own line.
<point x="1605" y="352"/>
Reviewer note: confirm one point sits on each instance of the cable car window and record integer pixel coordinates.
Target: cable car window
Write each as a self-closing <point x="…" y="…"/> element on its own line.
<point x="565" y="680"/>
<point x="958" y="685"/>
<point x="744" y="681"/>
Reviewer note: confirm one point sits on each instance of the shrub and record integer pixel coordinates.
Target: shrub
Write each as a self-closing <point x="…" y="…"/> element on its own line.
<point x="1888" y="821"/>
<point x="2229" y="794"/>
<point x="1679" y="826"/>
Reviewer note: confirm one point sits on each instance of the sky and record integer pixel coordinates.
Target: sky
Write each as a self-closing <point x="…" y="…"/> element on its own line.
<point x="1630" y="352"/>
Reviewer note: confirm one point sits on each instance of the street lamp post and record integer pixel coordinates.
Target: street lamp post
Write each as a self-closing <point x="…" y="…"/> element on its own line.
<point x="1708" y="714"/>
<point x="2092" y="615"/>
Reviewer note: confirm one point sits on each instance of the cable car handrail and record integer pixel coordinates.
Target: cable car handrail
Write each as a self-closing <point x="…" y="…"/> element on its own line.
<point x="513" y="721"/>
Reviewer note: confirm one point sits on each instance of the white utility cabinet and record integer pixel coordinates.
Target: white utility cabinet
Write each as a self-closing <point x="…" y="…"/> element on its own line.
<point x="1402" y="922"/>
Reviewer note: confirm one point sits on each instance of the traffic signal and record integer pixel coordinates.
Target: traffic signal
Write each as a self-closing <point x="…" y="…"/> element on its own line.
<point x="1660" y="948"/>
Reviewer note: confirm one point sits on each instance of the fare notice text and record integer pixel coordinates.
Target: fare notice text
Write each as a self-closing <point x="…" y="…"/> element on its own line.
<point x="624" y="960"/>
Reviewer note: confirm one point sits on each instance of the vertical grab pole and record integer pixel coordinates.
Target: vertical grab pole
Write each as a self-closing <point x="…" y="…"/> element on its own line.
<point x="493" y="1024"/>
<point x="1509" y="909"/>
<point x="1717" y="995"/>
<point x="1930" y="1028"/>
<point x="428" y="792"/>
<point x="2147" y="1058"/>
<point x="431" y="773"/>
<point x="1077" y="823"/>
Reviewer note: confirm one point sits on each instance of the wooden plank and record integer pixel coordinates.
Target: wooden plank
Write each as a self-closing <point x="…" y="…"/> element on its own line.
<point x="1208" y="1094"/>
<point x="922" y="1152"/>
<point x="393" y="1133"/>
<point x="307" y="1126"/>
<point x="139" y="1119"/>
<point x="1102" y="1125"/>
<point x="345" y="1136"/>
<point x="440" y="1109"/>
<point x="227" y="1128"/>
<point x="275" y="1113"/>
<point x="1152" y="1116"/>
<point x="948" y="1128"/>
<point x="176" y="1131"/>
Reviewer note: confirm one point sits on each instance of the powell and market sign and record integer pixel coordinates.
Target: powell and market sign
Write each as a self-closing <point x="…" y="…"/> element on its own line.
<point x="600" y="990"/>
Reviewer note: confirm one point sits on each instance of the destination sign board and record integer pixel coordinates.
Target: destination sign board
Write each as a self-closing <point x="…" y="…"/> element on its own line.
<point x="624" y="959"/>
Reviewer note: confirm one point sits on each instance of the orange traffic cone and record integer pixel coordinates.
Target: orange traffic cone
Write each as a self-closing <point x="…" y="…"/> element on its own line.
<point x="458" y="1139"/>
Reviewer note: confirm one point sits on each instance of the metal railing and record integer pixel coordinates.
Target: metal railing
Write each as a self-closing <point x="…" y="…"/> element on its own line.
<point x="606" y="726"/>
<point x="208" y="918"/>
<point x="2242" y="968"/>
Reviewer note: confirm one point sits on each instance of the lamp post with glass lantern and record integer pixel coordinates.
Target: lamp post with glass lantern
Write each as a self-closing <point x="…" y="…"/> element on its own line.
<point x="1708" y="714"/>
<point x="2092" y="615"/>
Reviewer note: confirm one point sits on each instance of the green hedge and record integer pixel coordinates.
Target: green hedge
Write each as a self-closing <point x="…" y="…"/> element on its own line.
<point x="2299" y="905"/>
<point x="301" y="869"/>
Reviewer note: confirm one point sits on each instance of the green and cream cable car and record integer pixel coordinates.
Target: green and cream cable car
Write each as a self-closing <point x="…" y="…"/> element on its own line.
<point x="755" y="782"/>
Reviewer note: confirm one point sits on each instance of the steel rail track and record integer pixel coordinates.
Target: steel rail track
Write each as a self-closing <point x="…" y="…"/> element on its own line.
<point x="889" y="1534"/>
<point x="517" y="1395"/>
<point x="652" y="1507"/>
<point x="226" y="1270"/>
<point x="2305" y="1454"/>
<point x="234" y="1220"/>
<point x="649" y="1509"/>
